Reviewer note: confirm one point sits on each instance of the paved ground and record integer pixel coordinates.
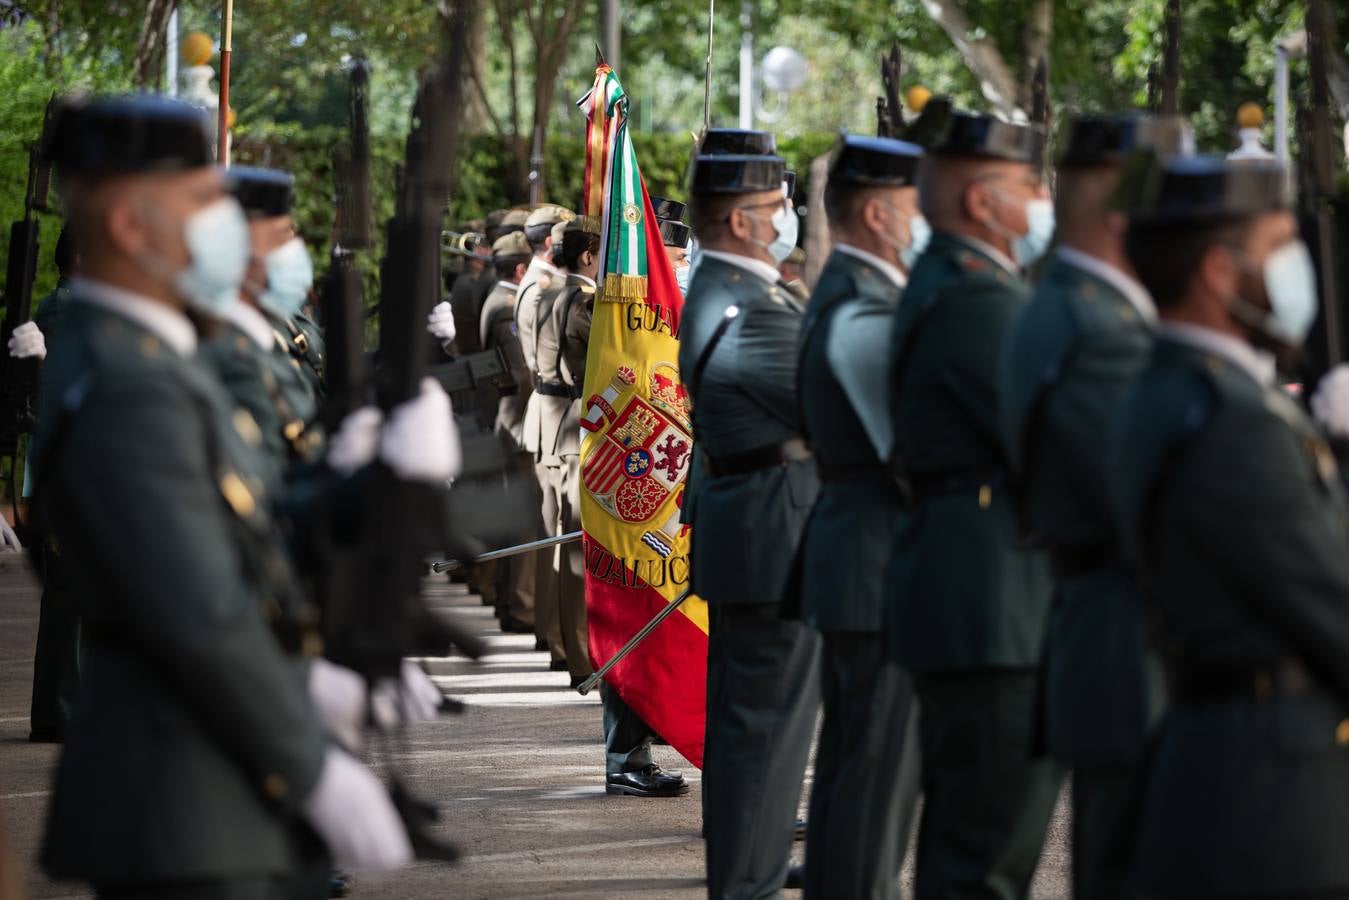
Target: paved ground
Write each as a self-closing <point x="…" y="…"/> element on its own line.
<point x="519" y="777"/>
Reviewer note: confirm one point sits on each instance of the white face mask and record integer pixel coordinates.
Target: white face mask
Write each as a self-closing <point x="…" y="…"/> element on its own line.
<point x="290" y="275"/>
<point x="785" y="225"/>
<point x="682" y="275"/>
<point x="217" y="247"/>
<point x="1290" y="282"/>
<point x="919" y="235"/>
<point x="1028" y="248"/>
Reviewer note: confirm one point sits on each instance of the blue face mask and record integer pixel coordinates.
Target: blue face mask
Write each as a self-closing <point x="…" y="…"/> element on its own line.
<point x="1028" y="248"/>
<point x="217" y="246"/>
<point x="290" y="275"/>
<point x="1290" y="282"/>
<point x="920" y="235"/>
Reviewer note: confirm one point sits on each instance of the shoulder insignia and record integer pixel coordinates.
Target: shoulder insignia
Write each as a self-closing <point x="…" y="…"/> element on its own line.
<point x="149" y="346"/>
<point x="587" y="289"/>
<point x="240" y="342"/>
<point x="972" y="262"/>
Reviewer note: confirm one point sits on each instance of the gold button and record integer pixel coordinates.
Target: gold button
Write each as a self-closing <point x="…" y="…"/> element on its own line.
<point x="247" y="428"/>
<point x="292" y="430"/>
<point x="275" y="787"/>
<point x="985" y="496"/>
<point x="1342" y="733"/>
<point x="237" y="495"/>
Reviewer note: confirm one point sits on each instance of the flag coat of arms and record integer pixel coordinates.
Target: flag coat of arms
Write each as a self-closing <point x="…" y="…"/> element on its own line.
<point x="637" y="444"/>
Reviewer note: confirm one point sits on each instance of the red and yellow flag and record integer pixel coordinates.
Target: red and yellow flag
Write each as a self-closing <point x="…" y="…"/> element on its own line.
<point x="636" y="444"/>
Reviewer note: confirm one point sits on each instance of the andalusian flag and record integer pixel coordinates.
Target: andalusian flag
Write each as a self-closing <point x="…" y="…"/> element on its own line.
<point x="637" y="444"/>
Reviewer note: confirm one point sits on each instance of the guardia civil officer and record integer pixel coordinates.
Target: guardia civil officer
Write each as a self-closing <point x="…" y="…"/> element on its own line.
<point x="737" y="354"/>
<point x="56" y="674"/>
<point x="1071" y="354"/>
<point x="250" y="356"/>
<point x="967" y="602"/>
<point x="195" y="764"/>
<point x="676" y="236"/>
<point x="1231" y="502"/>
<point x="560" y="439"/>
<point x="867" y="765"/>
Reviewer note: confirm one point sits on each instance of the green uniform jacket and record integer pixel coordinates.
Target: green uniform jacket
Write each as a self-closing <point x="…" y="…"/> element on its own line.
<point x="965" y="593"/>
<point x="194" y="740"/>
<point x="574" y="313"/>
<point x="747" y="528"/>
<point x="271" y="386"/>
<point x="851" y="529"/>
<point x="52" y="309"/>
<point x="1073" y="352"/>
<point x="1232" y="503"/>
<point x="304" y="341"/>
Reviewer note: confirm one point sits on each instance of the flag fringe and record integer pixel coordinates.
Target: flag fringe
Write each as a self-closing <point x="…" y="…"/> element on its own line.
<point x="619" y="288"/>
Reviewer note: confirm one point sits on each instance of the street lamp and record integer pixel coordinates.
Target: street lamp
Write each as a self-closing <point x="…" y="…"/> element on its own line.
<point x="782" y="71"/>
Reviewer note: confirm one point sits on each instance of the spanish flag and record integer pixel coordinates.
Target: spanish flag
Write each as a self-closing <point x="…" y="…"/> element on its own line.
<point x="636" y="444"/>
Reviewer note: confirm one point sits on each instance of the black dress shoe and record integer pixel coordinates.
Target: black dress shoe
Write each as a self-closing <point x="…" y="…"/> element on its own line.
<point x="577" y="681"/>
<point x="796" y="878"/>
<point x="511" y="625"/>
<point x="540" y="644"/>
<point x="557" y="665"/>
<point x="800" y="834"/>
<point x="46" y="736"/>
<point x="648" y="782"/>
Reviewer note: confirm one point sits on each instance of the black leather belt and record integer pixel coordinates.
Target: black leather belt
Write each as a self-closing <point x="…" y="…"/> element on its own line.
<point x="926" y="486"/>
<point x="867" y="473"/>
<point x="557" y="389"/>
<point x="1081" y="559"/>
<point x="1287" y="677"/>
<point x="768" y="457"/>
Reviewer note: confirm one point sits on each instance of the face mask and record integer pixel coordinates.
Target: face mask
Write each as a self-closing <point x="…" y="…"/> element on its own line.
<point x="919" y="235"/>
<point x="1290" y="282"/>
<point x="217" y="247"/>
<point x="787" y="225"/>
<point x="682" y="275"/>
<point x="290" y="275"/>
<point x="1029" y="247"/>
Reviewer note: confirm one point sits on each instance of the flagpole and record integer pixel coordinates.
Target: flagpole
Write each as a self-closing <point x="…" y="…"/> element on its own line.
<point x="707" y="76"/>
<point x="222" y="126"/>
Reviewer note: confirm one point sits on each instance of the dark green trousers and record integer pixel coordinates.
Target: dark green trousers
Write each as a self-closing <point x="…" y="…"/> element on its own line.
<point x="1107" y="803"/>
<point x="627" y="737"/>
<point x="867" y="772"/>
<point x="986" y="801"/>
<point x="56" y="675"/>
<point x="762" y="696"/>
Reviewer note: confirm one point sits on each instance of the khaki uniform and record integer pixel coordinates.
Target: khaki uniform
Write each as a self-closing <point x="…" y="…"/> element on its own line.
<point x="496" y="328"/>
<point x="559" y="394"/>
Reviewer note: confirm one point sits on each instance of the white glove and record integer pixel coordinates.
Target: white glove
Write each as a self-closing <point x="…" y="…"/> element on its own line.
<point x="9" y="541"/>
<point x="356" y="441"/>
<point x="1330" y="403"/>
<point x="354" y="816"/>
<point x="420" y="441"/>
<point x="27" y="342"/>
<point x="339" y="696"/>
<point x="412" y="697"/>
<point x="441" y="323"/>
